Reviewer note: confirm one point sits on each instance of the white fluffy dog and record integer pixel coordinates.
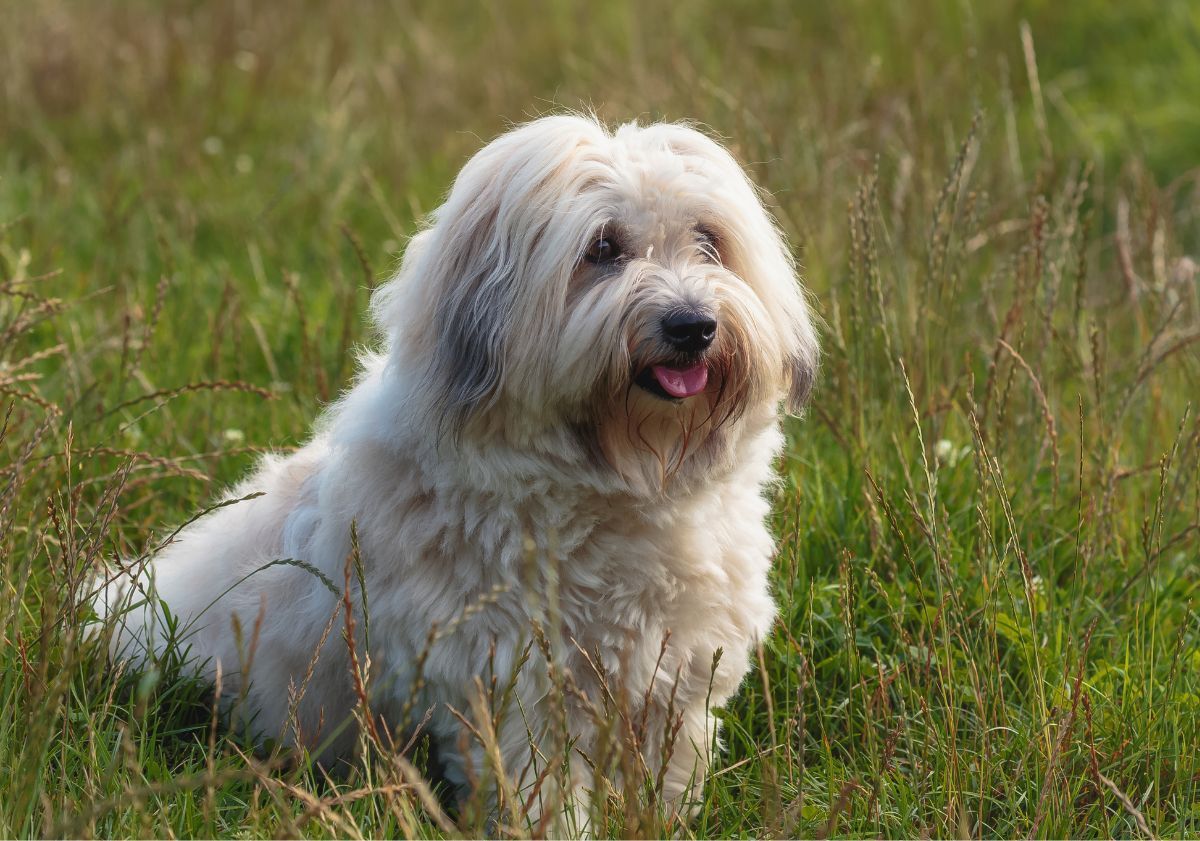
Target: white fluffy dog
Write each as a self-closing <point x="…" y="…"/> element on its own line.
<point x="565" y="437"/>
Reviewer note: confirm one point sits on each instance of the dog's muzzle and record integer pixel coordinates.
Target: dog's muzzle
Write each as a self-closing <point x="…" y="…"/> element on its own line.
<point x="689" y="333"/>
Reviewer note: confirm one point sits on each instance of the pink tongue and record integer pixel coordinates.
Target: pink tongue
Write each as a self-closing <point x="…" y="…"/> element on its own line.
<point x="682" y="382"/>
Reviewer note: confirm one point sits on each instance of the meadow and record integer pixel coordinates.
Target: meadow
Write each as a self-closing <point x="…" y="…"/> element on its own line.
<point x="989" y="517"/>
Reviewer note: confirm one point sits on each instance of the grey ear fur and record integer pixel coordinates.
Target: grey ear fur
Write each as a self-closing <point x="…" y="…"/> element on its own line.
<point x="470" y="328"/>
<point x="802" y="365"/>
<point x="802" y="375"/>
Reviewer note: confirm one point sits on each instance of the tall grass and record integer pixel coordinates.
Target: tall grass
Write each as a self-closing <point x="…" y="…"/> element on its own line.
<point x="990" y="518"/>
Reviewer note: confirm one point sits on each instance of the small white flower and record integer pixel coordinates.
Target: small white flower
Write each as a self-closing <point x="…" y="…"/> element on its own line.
<point x="946" y="453"/>
<point x="234" y="436"/>
<point x="213" y="145"/>
<point x="944" y="450"/>
<point x="245" y="61"/>
<point x="244" y="164"/>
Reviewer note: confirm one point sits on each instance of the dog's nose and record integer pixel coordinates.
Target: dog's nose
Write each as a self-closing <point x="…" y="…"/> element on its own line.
<point x="690" y="331"/>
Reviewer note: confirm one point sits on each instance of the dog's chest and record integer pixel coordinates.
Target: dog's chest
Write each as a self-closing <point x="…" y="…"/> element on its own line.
<point x="482" y="569"/>
<point x="621" y="581"/>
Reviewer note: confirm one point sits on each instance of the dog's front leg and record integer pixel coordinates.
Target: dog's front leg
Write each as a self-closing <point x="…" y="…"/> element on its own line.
<point x="683" y="780"/>
<point x="513" y="769"/>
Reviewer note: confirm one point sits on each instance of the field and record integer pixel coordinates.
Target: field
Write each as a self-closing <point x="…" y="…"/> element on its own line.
<point x="990" y="515"/>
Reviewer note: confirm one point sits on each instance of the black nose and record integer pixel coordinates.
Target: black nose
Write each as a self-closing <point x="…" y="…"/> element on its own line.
<point x="690" y="331"/>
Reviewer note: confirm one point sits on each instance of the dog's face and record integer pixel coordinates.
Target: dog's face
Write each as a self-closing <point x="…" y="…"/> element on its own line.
<point x="629" y="287"/>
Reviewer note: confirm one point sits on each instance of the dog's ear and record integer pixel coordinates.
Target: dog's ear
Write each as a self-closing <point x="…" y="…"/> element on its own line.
<point x="477" y="268"/>
<point x="801" y="366"/>
<point x="472" y="314"/>
<point x="447" y="312"/>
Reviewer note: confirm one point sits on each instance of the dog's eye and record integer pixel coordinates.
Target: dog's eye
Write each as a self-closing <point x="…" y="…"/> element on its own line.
<point x="602" y="250"/>
<point x="709" y="245"/>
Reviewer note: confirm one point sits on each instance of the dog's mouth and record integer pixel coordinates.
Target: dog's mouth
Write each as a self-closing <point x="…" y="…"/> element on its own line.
<point x="674" y="382"/>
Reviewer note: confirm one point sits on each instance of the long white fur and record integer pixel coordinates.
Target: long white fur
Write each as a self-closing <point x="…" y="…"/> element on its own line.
<point x="503" y="471"/>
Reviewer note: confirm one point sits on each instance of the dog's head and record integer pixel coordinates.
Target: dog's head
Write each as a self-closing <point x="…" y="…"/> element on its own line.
<point x="627" y="286"/>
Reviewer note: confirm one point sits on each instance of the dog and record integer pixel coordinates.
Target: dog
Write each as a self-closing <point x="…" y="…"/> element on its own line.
<point x="552" y="470"/>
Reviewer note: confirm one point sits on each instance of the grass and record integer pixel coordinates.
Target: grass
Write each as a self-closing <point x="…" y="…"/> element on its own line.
<point x="990" y="518"/>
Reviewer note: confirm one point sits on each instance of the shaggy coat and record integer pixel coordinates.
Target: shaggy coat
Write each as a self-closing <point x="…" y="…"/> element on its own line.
<point x="547" y="476"/>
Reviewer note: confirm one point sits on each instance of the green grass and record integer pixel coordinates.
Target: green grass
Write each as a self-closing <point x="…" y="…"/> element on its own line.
<point x="990" y="523"/>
